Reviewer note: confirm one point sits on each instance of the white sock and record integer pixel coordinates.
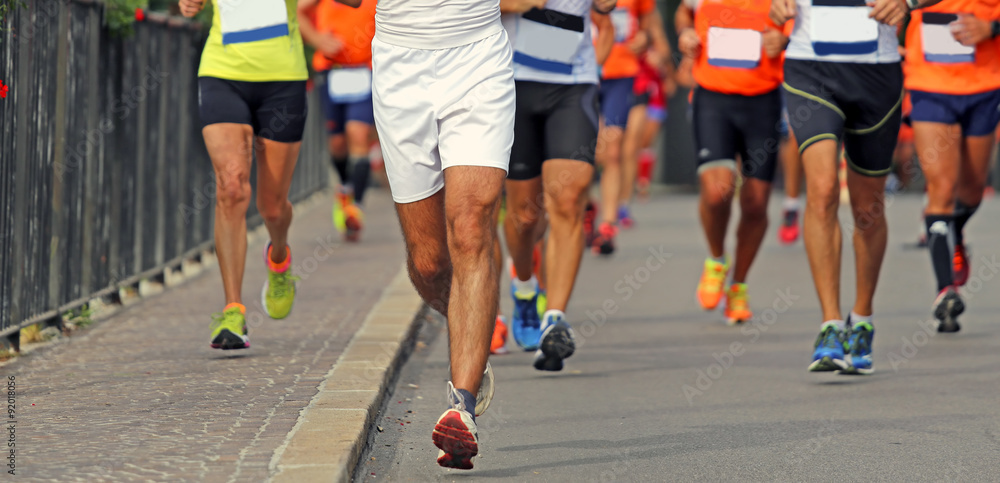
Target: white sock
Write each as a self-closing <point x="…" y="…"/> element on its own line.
<point x="553" y="313"/>
<point x="841" y="325"/>
<point x="791" y="204"/>
<point x="526" y="288"/>
<point x="855" y="318"/>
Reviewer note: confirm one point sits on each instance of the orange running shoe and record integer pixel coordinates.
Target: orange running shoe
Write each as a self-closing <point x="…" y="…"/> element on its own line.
<point x="712" y="280"/>
<point x="499" y="343"/>
<point x="738" y="304"/>
<point x="353" y="222"/>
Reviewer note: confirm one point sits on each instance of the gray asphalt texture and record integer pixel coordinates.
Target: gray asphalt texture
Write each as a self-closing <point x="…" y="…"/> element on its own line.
<point x="663" y="391"/>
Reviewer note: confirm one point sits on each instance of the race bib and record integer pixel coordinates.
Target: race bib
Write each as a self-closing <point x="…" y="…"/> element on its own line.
<point x="252" y="20"/>
<point x="843" y="27"/>
<point x="739" y="48"/>
<point x="622" y="21"/>
<point x="349" y="85"/>
<point x="548" y="40"/>
<point x="939" y="44"/>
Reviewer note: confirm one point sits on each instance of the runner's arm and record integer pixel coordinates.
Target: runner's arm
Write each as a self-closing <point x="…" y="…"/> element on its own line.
<point x="688" y="41"/>
<point x="520" y="6"/>
<point x="190" y="8"/>
<point x="605" y="36"/>
<point x="652" y="22"/>
<point x="305" y="15"/>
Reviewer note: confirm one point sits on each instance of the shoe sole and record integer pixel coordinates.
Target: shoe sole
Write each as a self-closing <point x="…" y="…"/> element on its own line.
<point x="557" y="345"/>
<point x="854" y="371"/>
<point x="226" y="340"/>
<point x="828" y="364"/>
<point x="353" y="229"/>
<point x="947" y="312"/>
<point x="457" y="443"/>
<point x="486" y="390"/>
<point x="732" y="321"/>
<point x="605" y="249"/>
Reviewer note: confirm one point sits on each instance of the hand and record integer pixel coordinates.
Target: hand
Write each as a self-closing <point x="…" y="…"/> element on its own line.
<point x="689" y="43"/>
<point x="782" y="11"/>
<point x="530" y="4"/>
<point x="605" y="6"/>
<point x="190" y="8"/>
<point x="889" y="12"/>
<point x="774" y="42"/>
<point x="639" y="42"/>
<point x="970" y="30"/>
<point x="669" y="87"/>
<point x="329" y="45"/>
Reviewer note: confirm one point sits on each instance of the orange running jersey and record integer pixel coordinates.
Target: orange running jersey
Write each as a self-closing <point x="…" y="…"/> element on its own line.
<point x="622" y="62"/>
<point x="936" y="62"/>
<point x="732" y="58"/>
<point x="354" y="27"/>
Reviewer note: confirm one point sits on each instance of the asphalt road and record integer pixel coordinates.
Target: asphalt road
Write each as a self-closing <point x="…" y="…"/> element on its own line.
<point x="661" y="391"/>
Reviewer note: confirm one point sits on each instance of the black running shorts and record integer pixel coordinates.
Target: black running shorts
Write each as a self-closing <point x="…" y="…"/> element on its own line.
<point x="726" y="125"/>
<point x="552" y="121"/>
<point x="857" y="104"/>
<point x="275" y="110"/>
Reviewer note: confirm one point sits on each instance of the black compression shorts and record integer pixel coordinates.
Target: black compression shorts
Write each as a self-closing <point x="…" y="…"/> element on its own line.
<point x="552" y="121"/>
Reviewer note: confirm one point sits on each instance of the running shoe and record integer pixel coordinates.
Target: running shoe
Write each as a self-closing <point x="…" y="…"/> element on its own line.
<point x="278" y="293"/>
<point x="960" y="262"/>
<point x="859" y="348"/>
<point x="829" y="353"/>
<point x="589" y="217"/>
<point x="353" y="222"/>
<point x="788" y="233"/>
<point x="526" y="322"/>
<point x="340" y="202"/>
<point x="229" y="329"/>
<point x="737" y="304"/>
<point x="456" y="434"/>
<point x="557" y="343"/>
<point x="625" y="217"/>
<point x="947" y="307"/>
<point x="486" y="389"/>
<point x="604" y="242"/>
<point x="499" y="343"/>
<point x="712" y="279"/>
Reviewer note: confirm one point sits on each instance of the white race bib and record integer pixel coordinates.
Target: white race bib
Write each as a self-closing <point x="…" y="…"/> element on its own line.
<point x="938" y="42"/>
<point x="739" y="48"/>
<point x="252" y="20"/>
<point x="842" y="27"/>
<point x="548" y="40"/>
<point x="349" y="85"/>
<point x="622" y="21"/>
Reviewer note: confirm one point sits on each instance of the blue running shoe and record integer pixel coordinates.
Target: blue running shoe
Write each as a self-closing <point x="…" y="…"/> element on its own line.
<point x="625" y="217"/>
<point x="859" y="347"/>
<point x="829" y="353"/>
<point x="525" y="323"/>
<point x="557" y="342"/>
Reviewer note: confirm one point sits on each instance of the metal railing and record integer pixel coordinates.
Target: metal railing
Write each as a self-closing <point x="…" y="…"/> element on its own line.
<point x="104" y="176"/>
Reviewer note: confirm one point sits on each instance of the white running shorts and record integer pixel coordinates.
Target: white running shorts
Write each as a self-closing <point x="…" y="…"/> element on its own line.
<point x="440" y="108"/>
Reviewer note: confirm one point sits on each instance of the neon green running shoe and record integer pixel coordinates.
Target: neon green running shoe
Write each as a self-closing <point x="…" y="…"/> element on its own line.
<point x="229" y="330"/>
<point x="279" y="289"/>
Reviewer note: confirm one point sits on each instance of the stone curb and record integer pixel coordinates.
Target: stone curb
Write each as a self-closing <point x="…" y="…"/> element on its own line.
<point x="333" y="430"/>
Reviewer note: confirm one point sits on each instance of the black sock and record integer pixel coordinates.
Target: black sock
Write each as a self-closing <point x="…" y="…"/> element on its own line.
<point x="962" y="214"/>
<point x="340" y="164"/>
<point x="938" y="229"/>
<point x="361" y="168"/>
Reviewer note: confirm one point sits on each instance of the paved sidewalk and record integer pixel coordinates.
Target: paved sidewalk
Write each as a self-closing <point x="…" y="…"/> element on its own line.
<point x="141" y="396"/>
<point x="662" y="391"/>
